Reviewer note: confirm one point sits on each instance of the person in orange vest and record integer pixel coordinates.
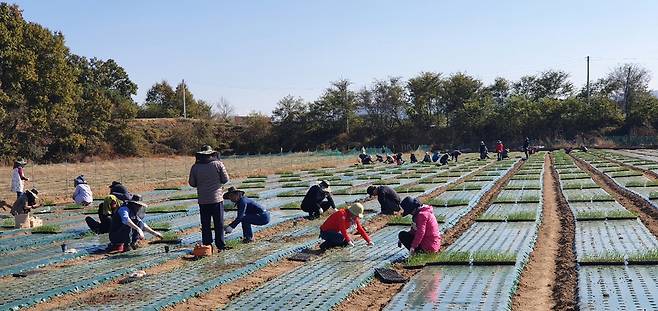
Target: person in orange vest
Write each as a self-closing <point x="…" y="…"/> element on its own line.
<point x="334" y="230"/>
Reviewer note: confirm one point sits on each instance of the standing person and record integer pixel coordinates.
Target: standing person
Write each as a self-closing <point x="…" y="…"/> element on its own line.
<point x="127" y="227"/>
<point x="526" y="147"/>
<point x="500" y="148"/>
<point x="389" y="200"/>
<point x="17" y="178"/>
<point x="334" y="230"/>
<point x="82" y="194"/>
<point x="454" y="155"/>
<point x="207" y="175"/>
<point x="484" y="152"/>
<point x="105" y="210"/>
<point x="249" y="213"/>
<point x="427" y="158"/>
<point x="317" y="200"/>
<point x="412" y="158"/>
<point x="424" y="235"/>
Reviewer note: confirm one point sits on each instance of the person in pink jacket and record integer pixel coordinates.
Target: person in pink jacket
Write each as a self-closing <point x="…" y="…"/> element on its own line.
<point x="424" y="235"/>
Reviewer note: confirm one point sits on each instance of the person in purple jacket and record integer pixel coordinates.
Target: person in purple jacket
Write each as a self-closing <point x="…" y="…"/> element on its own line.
<point x="207" y="175"/>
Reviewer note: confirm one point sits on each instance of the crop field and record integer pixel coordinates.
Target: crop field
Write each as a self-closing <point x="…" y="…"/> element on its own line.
<point x="493" y="216"/>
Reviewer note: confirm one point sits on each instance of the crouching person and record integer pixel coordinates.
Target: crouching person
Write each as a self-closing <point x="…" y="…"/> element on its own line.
<point x="317" y="200"/>
<point x="424" y="235"/>
<point x="105" y="210"/>
<point x="127" y="227"/>
<point x="389" y="200"/>
<point x="249" y="213"/>
<point x="334" y="230"/>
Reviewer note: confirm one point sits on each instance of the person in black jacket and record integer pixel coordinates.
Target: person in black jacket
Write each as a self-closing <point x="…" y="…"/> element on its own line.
<point x="412" y="158"/>
<point x="387" y="197"/>
<point x="427" y="158"/>
<point x="317" y="200"/>
<point x="526" y="148"/>
<point x="484" y="152"/>
<point x="443" y="160"/>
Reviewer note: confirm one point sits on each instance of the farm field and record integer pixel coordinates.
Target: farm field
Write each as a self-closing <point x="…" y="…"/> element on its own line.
<point x="495" y="218"/>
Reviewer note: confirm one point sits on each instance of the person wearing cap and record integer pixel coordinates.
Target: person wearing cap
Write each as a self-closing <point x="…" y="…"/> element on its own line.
<point x="249" y="213"/>
<point x="317" y="200"/>
<point x="484" y="152"/>
<point x="334" y="230"/>
<point x="25" y="202"/>
<point x="387" y="197"/>
<point x="128" y="227"/>
<point x="18" y="177"/>
<point x="500" y="148"/>
<point x="427" y="158"/>
<point x="105" y="210"/>
<point x="424" y="234"/>
<point x="208" y="175"/>
<point x="82" y="194"/>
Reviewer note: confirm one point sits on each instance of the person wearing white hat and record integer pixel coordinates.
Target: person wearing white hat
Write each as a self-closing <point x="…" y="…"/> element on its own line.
<point x="334" y="230"/>
<point x="82" y="194"/>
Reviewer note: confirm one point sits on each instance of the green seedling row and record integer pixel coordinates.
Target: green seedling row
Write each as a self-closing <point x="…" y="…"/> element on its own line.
<point x="47" y="229"/>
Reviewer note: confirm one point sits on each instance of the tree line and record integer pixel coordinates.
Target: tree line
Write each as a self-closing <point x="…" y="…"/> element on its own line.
<point x="55" y="105"/>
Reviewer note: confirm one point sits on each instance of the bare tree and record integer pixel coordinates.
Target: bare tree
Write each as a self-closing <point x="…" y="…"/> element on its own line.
<point x="223" y="109"/>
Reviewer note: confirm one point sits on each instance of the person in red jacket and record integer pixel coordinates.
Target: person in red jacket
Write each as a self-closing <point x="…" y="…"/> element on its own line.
<point x="334" y="230"/>
<point x="500" y="148"/>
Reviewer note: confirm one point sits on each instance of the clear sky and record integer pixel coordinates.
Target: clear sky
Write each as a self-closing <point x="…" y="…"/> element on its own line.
<point x="254" y="52"/>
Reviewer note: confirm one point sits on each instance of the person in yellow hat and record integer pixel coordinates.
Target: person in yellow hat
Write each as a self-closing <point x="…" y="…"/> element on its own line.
<point x="334" y="230"/>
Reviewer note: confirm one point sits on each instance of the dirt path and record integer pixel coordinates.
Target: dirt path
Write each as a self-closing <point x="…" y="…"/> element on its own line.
<point x="629" y="200"/>
<point x="376" y="295"/>
<point x="565" y="290"/>
<point x="537" y="281"/>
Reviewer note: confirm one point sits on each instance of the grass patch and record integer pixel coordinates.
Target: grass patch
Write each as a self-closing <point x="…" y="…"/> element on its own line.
<point x="410" y="176"/>
<point x="90" y="211"/>
<point x="433" y="181"/>
<point x="653" y="195"/>
<point x="166" y="209"/>
<point x="167" y="188"/>
<point x="438" y="202"/>
<point x="593" y="198"/>
<point x="461" y="257"/>
<point x="47" y="229"/>
<point x="350" y="191"/>
<point x="295" y="185"/>
<point x="254" y="181"/>
<point x="288" y="194"/>
<point x="291" y="179"/>
<point x="580" y="186"/>
<point x="368" y="177"/>
<point x="637" y="183"/>
<point x="602" y="215"/>
<point x="523" y="187"/>
<point x="170" y="237"/>
<point x="73" y="207"/>
<point x="522" y="199"/>
<point x="252" y="186"/>
<point x="386" y="182"/>
<point x="190" y="196"/>
<point x="160" y="226"/>
<point x="574" y="176"/>
<point x="291" y="206"/>
<point x="8" y="223"/>
<point x="400" y="221"/>
<point x="408" y="189"/>
<point x="465" y="186"/>
<point x="516" y="216"/>
<point x="257" y="176"/>
<point x="625" y="174"/>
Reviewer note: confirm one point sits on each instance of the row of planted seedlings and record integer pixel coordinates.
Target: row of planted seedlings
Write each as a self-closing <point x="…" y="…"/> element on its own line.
<point x="228" y="269"/>
<point x="630" y="175"/>
<point x="481" y="269"/>
<point x="323" y="283"/>
<point x="637" y="161"/>
<point x="272" y="251"/>
<point x="651" y="154"/>
<point x="616" y="253"/>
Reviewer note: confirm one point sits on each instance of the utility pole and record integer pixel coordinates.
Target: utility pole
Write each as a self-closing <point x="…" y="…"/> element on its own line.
<point x="347" y="115"/>
<point x="627" y="91"/>
<point x="184" y="106"/>
<point x="587" y="80"/>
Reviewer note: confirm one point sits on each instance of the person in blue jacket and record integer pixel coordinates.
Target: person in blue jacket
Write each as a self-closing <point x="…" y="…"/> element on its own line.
<point x="249" y="213"/>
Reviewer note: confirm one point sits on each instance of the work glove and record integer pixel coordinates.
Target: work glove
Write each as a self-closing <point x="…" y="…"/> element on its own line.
<point x="350" y="243"/>
<point x="228" y="229"/>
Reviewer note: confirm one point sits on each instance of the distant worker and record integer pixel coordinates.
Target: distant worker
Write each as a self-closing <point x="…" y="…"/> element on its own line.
<point x="25" y="203"/>
<point x="505" y="153"/>
<point x="399" y="160"/>
<point x="412" y="158"/>
<point x="484" y="152"/>
<point x="499" y="150"/>
<point x="249" y="213"/>
<point x="207" y="175"/>
<point x="424" y="235"/>
<point x="454" y="155"/>
<point x="389" y="159"/>
<point x="427" y="158"/>
<point x="365" y="158"/>
<point x="526" y="148"/>
<point x="18" y="177"/>
<point x="119" y="190"/>
<point x="444" y="159"/>
<point x="105" y="210"/>
<point x="318" y="200"/>
<point x="389" y="200"/>
<point x="380" y="158"/>
<point x="127" y="227"/>
<point x="583" y="148"/>
<point x="82" y="194"/>
<point x="436" y="156"/>
<point x="334" y="230"/>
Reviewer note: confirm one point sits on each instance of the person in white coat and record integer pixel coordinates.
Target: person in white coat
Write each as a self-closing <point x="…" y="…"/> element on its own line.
<point x="17" y="178"/>
<point x="82" y="195"/>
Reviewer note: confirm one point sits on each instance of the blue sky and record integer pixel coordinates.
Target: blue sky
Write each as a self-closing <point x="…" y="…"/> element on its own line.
<point x="255" y="52"/>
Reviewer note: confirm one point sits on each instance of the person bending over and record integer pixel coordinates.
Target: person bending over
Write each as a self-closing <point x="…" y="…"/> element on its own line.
<point x="127" y="227"/>
<point x="249" y="213"/>
<point x="334" y="230"/>
<point x="317" y="200"/>
<point x="387" y="197"/>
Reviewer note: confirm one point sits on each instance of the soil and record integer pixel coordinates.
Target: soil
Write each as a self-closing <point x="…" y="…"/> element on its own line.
<point x="565" y="290"/>
<point x="377" y="294"/>
<point x="629" y="200"/>
<point x="538" y="277"/>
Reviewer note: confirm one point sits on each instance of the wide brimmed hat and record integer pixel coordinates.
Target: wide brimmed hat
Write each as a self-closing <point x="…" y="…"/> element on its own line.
<point x="356" y="210"/>
<point x="33" y="193"/>
<point x="371" y="190"/>
<point x="125" y="197"/>
<point x="80" y="180"/>
<point x="114" y="183"/>
<point x="230" y="191"/>
<point x="206" y="150"/>
<point x="409" y="205"/>
<point x="21" y="161"/>
<point x="136" y="200"/>
<point x="325" y="185"/>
